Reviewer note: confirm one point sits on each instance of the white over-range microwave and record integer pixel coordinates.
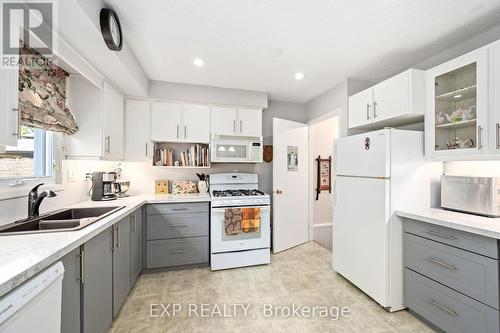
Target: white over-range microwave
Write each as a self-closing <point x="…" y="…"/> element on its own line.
<point x="236" y="149"/>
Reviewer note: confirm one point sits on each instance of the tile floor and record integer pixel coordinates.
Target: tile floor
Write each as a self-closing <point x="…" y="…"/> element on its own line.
<point x="302" y="275"/>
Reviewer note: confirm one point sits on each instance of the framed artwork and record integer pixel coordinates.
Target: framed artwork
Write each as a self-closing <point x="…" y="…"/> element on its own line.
<point x="292" y="158"/>
<point x="324" y="175"/>
<point x="268" y="153"/>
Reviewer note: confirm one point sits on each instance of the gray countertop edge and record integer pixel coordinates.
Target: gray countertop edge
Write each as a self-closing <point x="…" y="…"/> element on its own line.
<point x="479" y="225"/>
<point x="83" y="235"/>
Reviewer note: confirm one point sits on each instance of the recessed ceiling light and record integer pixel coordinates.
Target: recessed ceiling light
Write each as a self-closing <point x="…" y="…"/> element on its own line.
<point x="198" y="62"/>
<point x="457" y="96"/>
<point x="299" y="76"/>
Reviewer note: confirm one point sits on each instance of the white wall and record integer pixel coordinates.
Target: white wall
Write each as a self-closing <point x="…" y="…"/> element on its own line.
<point x="472" y="168"/>
<point x="73" y="192"/>
<point x="276" y="109"/>
<point x="336" y="98"/>
<point x="322" y="136"/>
<point x="206" y="94"/>
<point x="79" y="25"/>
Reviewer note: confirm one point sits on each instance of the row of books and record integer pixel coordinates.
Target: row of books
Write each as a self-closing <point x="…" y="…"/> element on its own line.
<point x="196" y="155"/>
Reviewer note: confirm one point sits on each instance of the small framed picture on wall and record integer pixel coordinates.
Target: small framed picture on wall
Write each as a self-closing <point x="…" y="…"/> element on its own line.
<point x="324" y="176"/>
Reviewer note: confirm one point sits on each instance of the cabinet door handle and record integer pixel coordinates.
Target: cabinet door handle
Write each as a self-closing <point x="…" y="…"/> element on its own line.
<point x="132" y="222"/>
<point x="498" y="135"/>
<point x="112" y="239"/>
<point x="179" y="209"/>
<point x="234" y="125"/>
<point x="367" y="111"/>
<point x="177" y="251"/>
<point x="480" y="137"/>
<point x="17" y="132"/>
<point x="107" y="144"/>
<point x="177" y="131"/>
<point x="178" y="225"/>
<point x="82" y="264"/>
<point x="185" y="132"/>
<point x="375" y="109"/>
<point x="117" y="237"/>
<point x="441" y="263"/>
<point x="442" y="307"/>
<point x="241" y="126"/>
<point x="146" y="149"/>
<point x="439" y="234"/>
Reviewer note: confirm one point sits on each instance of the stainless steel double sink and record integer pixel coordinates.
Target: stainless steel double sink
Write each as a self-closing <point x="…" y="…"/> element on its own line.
<point x="63" y="220"/>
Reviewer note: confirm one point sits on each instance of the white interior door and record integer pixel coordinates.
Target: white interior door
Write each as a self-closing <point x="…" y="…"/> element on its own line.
<point x="290" y="183"/>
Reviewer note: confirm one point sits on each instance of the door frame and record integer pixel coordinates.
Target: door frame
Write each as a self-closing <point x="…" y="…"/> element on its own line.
<point x="335" y="113"/>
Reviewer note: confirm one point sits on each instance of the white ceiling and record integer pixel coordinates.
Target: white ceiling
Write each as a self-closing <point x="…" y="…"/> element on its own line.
<point x="260" y="44"/>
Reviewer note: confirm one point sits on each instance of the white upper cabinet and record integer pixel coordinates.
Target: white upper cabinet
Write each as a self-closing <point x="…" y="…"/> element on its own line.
<point x="180" y="122"/>
<point x="494" y="98"/>
<point x="357" y="103"/>
<point x="224" y="120"/>
<point x="456" y="123"/>
<point x="84" y="100"/>
<point x="397" y="101"/>
<point x="98" y="111"/>
<point x="166" y="121"/>
<point x="250" y="122"/>
<point x="236" y="121"/>
<point x="9" y="111"/>
<point x="112" y="108"/>
<point x="196" y="123"/>
<point x="137" y="124"/>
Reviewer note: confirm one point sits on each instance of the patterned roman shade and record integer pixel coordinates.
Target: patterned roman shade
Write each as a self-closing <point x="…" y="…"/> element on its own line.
<point x="42" y="95"/>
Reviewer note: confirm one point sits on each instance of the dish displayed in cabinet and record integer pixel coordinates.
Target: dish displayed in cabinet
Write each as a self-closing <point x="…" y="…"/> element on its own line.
<point x="455" y="109"/>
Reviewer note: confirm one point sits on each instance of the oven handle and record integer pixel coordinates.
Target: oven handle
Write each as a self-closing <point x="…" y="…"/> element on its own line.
<point x="222" y="209"/>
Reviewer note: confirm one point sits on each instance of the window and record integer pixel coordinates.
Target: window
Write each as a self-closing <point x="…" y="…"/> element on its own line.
<point x="31" y="159"/>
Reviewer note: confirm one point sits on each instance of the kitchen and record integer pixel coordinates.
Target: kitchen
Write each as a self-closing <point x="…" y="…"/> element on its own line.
<point x="188" y="189"/>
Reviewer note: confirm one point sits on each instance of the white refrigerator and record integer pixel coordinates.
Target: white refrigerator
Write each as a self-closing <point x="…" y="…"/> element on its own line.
<point x="376" y="174"/>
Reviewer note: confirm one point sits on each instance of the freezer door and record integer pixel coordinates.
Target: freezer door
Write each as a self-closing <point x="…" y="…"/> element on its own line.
<point x="363" y="155"/>
<point x="360" y="234"/>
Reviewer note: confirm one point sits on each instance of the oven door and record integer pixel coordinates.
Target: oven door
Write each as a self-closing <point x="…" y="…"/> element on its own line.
<point x="221" y="242"/>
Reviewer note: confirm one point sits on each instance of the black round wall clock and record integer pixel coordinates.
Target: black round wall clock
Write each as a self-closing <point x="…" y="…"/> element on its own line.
<point x="111" y="29"/>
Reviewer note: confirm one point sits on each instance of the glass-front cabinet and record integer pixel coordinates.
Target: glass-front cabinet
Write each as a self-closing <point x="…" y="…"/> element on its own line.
<point x="457" y="106"/>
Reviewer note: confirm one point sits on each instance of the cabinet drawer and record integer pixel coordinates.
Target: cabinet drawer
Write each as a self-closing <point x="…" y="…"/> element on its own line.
<point x="177" y="225"/>
<point x="469" y="273"/>
<point x="447" y="309"/>
<point x="461" y="239"/>
<point x="175" y="252"/>
<point x="177" y="208"/>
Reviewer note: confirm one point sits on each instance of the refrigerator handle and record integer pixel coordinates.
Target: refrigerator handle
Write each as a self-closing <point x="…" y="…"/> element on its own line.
<point x="334" y="195"/>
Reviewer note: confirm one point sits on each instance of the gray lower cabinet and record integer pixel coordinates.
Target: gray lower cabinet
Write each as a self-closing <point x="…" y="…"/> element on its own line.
<point x="97" y="273"/>
<point x="135" y="246"/>
<point x="447" y="309"/>
<point x="121" y="263"/>
<point x="176" y="234"/>
<point x="70" y="309"/>
<point x="451" y="278"/>
<point x="176" y="252"/>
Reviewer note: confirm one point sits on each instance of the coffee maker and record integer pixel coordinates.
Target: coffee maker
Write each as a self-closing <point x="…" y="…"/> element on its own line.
<point x="103" y="186"/>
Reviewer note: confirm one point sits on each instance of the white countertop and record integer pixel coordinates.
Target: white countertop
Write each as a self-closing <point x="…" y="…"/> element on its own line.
<point x="23" y="256"/>
<point x="485" y="226"/>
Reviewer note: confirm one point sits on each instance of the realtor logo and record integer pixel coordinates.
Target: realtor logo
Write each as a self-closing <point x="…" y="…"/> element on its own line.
<point x="31" y="22"/>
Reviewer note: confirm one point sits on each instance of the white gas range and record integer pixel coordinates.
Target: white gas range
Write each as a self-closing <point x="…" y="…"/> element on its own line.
<point x="237" y="193"/>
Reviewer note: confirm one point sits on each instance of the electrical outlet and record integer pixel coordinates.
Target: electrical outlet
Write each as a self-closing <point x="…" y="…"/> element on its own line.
<point x="71" y="176"/>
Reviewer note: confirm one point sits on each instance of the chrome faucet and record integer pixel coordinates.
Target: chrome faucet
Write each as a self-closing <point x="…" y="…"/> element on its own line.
<point x="35" y="199"/>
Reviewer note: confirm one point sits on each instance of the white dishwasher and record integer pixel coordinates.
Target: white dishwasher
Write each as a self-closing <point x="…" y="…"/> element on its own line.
<point x="34" y="306"/>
